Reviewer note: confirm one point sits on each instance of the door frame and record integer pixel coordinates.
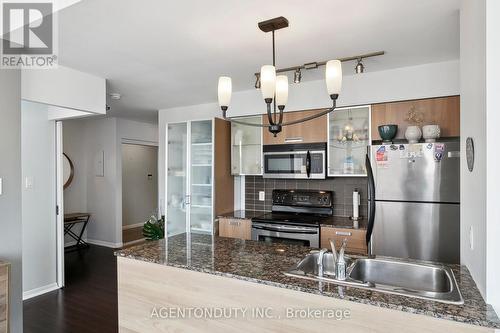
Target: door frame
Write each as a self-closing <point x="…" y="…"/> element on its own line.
<point x="119" y="211"/>
<point x="59" y="205"/>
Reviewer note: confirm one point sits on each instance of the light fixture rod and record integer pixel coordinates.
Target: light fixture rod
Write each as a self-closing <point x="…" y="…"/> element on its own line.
<point x="323" y="63"/>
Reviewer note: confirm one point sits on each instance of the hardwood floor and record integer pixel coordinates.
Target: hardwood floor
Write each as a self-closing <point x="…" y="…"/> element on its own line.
<point x="89" y="301"/>
<point x="130" y="235"/>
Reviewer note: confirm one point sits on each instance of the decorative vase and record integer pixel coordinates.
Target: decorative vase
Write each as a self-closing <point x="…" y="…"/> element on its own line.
<point x="387" y="132"/>
<point x="431" y="133"/>
<point x="413" y="134"/>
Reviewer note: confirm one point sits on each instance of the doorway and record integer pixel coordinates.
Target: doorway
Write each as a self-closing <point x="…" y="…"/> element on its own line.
<point x="139" y="189"/>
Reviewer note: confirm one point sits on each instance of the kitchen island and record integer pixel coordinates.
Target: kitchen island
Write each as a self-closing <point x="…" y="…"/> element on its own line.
<point x="199" y="283"/>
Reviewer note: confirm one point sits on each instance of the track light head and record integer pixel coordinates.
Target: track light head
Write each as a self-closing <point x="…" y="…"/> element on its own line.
<point x="257" y="82"/>
<point x="360" y="68"/>
<point x="297" y="76"/>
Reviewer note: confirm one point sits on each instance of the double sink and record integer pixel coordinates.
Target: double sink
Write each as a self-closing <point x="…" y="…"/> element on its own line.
<point x="426" y="281"/>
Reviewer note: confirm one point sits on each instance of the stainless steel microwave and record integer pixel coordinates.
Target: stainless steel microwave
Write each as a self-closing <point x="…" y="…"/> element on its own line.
<point x="295" y="161"/>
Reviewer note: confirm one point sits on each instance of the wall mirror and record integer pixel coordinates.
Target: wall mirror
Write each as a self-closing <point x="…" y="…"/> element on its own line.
<point x="68" y="171"/>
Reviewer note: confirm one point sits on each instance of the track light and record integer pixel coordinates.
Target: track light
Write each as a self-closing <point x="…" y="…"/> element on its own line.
<point x="360" y="68"/>
<point x="257" y="82"/>
<point x="297" y="76"/>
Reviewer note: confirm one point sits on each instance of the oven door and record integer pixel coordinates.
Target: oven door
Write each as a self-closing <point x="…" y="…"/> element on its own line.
<point x="285" y="234"/>
<point x="295" y="164"/>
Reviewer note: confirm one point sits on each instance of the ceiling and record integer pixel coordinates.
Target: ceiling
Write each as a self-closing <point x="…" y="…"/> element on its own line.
<point x="160" y="54"/>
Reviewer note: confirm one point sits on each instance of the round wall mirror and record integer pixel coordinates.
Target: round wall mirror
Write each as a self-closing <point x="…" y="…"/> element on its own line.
<point x="68" y="170"/>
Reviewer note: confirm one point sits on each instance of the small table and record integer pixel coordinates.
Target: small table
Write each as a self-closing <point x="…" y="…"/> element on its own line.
<point x="70" y="220"/>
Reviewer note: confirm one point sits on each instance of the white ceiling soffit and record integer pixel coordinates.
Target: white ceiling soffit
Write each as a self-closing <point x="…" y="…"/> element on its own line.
<point x="160" y="54"/>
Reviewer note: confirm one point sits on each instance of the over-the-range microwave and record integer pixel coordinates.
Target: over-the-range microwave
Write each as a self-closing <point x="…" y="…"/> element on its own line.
<point x="295" y="161"/>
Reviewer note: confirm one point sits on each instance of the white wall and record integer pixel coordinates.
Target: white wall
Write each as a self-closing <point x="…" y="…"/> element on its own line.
<point x="430" y="80"/>
<point x="11" y="197"/>
<point x="75" y="195"/>
<point x="493" y="159"/>
<point x="65" y="87"/>
<point x="103" y="194"/>
<point x="473" y="124"/>
<point x="136" y="132"/>
<point x="39" y="201"/>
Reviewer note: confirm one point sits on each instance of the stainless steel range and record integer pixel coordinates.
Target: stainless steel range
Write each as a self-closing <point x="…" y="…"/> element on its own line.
<point x="295" y="218"/>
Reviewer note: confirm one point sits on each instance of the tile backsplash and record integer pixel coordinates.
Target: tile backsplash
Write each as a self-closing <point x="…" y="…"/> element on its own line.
<point x="342" y="192"/>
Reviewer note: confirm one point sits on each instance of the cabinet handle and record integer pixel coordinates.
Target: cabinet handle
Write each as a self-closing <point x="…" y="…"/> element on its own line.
<point x="343" y="233"/>
<point x="297" y="139"/>
<point x="234" y="223"/>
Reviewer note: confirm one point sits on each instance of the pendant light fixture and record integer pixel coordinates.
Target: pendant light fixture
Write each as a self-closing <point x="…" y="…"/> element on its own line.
<point x="274" y="88"/>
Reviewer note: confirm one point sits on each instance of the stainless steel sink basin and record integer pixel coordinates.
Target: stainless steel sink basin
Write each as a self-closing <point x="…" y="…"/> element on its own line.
<point x="427" y="281"/>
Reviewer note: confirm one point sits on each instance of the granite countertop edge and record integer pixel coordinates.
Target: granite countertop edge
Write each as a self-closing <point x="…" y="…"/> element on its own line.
<point x="361" y="300"/>
<point x="333" y="221"/>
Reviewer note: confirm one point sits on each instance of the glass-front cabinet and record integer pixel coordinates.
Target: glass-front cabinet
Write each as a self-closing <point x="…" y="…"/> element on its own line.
<point x="246" y="147"/>
<point x="191" y="200"/>
<point x="189" y="177"/>
<point x="177" y="198"/>
<point x="348" y="139"/>
<point x="201" y="176"/>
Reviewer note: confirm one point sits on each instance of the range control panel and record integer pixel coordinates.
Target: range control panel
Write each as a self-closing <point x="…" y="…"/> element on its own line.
<point x="303" y="198"/>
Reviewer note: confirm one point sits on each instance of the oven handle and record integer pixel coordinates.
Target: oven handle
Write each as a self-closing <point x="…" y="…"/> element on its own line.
<point x="287" y="230"/>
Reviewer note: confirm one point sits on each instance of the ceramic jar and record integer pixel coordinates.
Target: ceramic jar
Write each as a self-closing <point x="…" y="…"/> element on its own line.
<point x="431" y="133"/>
<point x="413" y="134"/>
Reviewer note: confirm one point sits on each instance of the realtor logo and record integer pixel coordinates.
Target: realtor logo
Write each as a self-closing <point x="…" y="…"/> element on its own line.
<point x="28" y="35"/>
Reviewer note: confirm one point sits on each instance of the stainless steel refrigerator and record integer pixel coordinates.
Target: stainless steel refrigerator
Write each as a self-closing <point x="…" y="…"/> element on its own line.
<point x="414" y="201"/>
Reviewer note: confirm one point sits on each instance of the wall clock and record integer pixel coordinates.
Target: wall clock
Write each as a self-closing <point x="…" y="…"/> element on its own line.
<point x="469" y="152"/>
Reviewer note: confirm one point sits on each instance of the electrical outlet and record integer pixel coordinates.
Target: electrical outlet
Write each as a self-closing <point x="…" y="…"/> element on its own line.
<point x="471" y="238"/>
<point x="262" y="195"/>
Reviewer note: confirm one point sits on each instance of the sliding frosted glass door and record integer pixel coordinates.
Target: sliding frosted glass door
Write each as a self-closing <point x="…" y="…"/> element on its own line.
<point x="201" y="177"/>
<point x="177" y="199"/>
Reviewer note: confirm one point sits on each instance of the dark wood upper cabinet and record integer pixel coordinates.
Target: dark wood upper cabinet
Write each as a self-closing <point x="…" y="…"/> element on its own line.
<point x="442" y="111"/>
<point x="309" y="132"/>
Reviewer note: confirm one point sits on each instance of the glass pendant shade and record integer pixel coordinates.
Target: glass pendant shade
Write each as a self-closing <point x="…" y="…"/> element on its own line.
<point x="224" y="91"/>
<point x="333" y="77"/>
<point x="281" y="90"/>
<point x="267" y="81"/>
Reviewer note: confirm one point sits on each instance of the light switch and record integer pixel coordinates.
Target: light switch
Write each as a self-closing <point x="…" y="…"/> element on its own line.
<point x="1" y="186"/>
<point x="262" y="195"/>
<point x="28" y="183"/>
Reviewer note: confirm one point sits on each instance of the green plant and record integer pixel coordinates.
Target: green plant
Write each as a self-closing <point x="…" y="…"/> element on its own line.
<point x="154" y="229"/>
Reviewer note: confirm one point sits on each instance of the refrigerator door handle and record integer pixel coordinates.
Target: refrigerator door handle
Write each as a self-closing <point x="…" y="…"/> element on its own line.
<point x="371" y="201"/>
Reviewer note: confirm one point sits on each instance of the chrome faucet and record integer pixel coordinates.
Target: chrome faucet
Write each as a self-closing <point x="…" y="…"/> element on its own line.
<point x="341" y="266"/>
<point x="320" y="261"/>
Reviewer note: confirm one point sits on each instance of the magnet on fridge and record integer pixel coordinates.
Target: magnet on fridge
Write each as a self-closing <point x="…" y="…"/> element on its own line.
<point x="439" y="147"/>
<point x="429" y="146"/>
<point x="401" y="147"/>
<point x="438" y="156"/>
<point x="394" y="147"/>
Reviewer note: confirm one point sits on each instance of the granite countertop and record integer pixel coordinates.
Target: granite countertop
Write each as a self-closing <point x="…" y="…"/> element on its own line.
<point x="264" y="263"/>
<point x="243" y="214"/>
<point x="342" y="222"/>
<point x="334" y="221"/>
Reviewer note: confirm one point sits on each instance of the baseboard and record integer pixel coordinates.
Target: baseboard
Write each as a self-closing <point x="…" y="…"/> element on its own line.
<point x="39" y="291"/>
<point x="132" y="226"/>
<point x="104" y="243"/>
<point x="134" y="242"/>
